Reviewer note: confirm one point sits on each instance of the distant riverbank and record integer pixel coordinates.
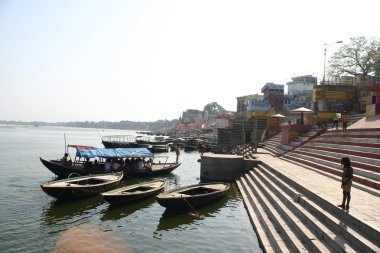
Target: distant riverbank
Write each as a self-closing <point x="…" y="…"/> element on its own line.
<point x="160" y="125"/>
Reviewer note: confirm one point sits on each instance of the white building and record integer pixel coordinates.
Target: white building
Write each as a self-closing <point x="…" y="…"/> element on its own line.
<point x="300" y="84"/>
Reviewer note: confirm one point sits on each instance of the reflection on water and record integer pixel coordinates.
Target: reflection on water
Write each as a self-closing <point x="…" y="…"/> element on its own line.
<point x="173" y="219"/>
<point x="58" y="211"/>
<point x="116" y="212"/>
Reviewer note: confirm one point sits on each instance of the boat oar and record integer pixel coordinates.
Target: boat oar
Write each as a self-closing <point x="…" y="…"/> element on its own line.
<point x="195" y="214"/>
<point x="64" y="135"/>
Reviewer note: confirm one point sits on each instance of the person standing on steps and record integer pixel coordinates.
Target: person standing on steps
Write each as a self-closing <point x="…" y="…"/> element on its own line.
<point x="336" y="119"/>
<point x="344" y="120"/>
<point x="348" y="174"/>
<point x="202" y="148"/>
<point x="318" y="121"/>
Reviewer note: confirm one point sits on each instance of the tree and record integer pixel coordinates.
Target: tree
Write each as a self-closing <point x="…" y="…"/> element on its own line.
<point x="361" y="56"/>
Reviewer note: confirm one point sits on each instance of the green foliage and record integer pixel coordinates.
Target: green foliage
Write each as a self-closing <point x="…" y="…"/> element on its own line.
<point x="214" y="108"/>
<point x="361" y="56"/>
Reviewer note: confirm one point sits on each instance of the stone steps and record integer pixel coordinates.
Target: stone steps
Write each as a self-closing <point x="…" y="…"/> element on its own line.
<point x="366" y="132"/>
<point x="338" y="178"/>
<point x="269" y="237"/>
<point x="353" y="139"/>
<point x="272" y="144"/>
<point x="324" y="152"/>
<point x="286" y="214"/>
<point x="317" y="165"/>
<point x="300" y="233"/>
<point x="349" y="143"/>
<point x="333" y="160"/>
<point x="300" y="140"/>
<point x="356" y="150"/>
<point x="336" y="220"/>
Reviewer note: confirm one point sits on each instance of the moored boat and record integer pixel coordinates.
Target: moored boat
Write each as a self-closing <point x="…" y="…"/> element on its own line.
<point x="192" y="196"/>
<point x="159" y="148"/>
<point x="119" y="141"/>
<point x="133" y="192"/>
<point x="192" y="144"/>
<point x="99" y="156"/>
<point x="156" y="169"/>
<point x="81" y="187"/>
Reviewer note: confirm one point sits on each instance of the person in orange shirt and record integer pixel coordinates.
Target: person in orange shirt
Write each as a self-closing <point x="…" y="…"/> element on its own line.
<point x="318" y="120"/>
<point x="64" y="159"/>
<point x="344" y="120"/>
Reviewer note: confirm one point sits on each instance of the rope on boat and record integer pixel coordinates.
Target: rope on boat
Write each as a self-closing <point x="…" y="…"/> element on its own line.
<point x="196" y="213"/>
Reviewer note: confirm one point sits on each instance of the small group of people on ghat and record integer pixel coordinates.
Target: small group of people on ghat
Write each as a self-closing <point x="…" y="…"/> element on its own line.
<point x="340" y="117"/>
<point x="343" y="117"/>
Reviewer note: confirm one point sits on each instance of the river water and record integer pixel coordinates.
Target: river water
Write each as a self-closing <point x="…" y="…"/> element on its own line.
<point x="32" y="221"/>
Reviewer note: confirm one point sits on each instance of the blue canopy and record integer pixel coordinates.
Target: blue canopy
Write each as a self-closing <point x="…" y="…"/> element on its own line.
<point x="113" y="152"/>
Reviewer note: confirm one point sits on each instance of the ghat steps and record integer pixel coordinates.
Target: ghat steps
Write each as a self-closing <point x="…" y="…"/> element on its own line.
<point x="322" y="150"/>
<point x="289" y="216"/>
<point x="292" y="194"/>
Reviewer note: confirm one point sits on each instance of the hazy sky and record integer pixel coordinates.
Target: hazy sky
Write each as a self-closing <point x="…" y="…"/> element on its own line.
<point x="148" y="60"/>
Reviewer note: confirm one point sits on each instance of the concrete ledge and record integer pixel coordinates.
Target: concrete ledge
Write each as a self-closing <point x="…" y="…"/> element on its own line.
<point x="224" y="167"/>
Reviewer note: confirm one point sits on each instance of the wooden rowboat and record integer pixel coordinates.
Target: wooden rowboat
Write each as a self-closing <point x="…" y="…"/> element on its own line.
<point x="81" y="187"/>
<point x="156" y="169"/>
<point x="192" y="196"/>
<point x="133" y="192"/>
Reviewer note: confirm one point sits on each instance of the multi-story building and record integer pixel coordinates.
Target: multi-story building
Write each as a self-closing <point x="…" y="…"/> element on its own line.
<point x="352" y="93"/>
<point x="300" y="84"/>
<point x="190" y="116"/>
<point x="243" y="103"/>
<point x="252" y="116"/>
<point x="274" y="96"/>
<point x="300" y="93"/>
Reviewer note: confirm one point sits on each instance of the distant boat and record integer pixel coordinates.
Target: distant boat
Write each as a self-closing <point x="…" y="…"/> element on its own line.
<point x="133" y="192"/>
<point x="156" y="144"/>
<point x="81" y="187"/>
<point x="159" y="148"/>
<point x="145" y="132"/>
<point x="192" y="196"/>
<point x="192" y="144"/>
<point x="119" y="141"/>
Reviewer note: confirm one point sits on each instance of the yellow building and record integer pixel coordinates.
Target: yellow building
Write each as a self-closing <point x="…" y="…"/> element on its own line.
<point x="338" y="98"/>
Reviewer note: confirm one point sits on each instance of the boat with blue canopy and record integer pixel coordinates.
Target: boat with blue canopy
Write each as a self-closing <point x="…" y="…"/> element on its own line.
<point x="91" y="152"/>
<point x="134" y="162"/>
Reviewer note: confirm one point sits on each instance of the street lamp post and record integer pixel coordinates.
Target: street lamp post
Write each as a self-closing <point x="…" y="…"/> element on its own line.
<point x="324" y="74"/>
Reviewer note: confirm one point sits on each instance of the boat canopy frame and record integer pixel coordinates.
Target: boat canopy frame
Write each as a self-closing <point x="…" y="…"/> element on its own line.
<point x="92" y="152"/>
